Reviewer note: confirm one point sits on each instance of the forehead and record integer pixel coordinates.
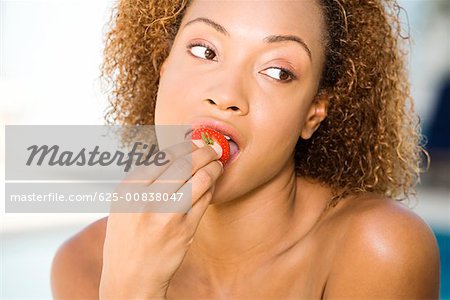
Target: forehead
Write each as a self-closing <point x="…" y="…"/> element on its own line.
<point x="257" y="19"/>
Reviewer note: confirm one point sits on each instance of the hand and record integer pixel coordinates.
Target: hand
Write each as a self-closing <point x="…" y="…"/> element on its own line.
<point x="143" y="250"/>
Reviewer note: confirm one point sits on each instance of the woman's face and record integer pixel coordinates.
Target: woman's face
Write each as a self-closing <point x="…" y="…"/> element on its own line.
<point x="251" y="65"/>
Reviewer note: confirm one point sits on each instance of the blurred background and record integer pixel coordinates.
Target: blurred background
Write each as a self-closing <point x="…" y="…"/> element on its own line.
<point x="50" y="52"/>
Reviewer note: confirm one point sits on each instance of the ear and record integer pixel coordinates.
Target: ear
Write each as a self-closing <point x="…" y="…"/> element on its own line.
<point x="316" y="114"/>
<point x="162" y="68"/>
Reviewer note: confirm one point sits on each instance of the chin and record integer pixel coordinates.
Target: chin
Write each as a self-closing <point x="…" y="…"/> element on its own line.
<point x="225" y="191"/>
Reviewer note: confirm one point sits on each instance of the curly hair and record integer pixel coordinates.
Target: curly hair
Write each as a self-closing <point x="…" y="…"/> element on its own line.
<point x="370" y="140"/>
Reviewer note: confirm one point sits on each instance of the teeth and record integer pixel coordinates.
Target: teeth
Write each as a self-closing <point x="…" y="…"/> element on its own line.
<point x="227" y="137"/>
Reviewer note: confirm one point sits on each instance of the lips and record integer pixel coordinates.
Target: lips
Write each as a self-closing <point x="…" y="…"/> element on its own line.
<point x="231" y="134"/>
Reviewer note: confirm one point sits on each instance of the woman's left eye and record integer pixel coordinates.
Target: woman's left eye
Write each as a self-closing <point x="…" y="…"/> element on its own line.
<point x="202" y="51"/>
<point x="280" y="74"/>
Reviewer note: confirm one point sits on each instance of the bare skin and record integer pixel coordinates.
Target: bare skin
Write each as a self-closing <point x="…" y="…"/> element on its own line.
<point x="341" y="256"/>
<point x="262" y="233"/>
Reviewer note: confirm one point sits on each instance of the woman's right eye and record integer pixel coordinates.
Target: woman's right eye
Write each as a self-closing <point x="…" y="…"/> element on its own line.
<point x="202" y="51"/>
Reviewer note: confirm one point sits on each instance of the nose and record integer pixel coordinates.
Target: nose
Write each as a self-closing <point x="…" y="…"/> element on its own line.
<point x="238" y="109"/>
<point x="228" y="92"/>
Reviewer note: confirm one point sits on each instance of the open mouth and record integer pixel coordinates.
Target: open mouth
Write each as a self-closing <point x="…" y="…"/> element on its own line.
<point x="233" y="145"/>
<point x="234" y="148"/>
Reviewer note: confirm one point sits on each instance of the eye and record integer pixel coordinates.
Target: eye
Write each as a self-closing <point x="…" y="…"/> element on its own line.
<point x="202" y="51"/>
<point x="280" y="74"/>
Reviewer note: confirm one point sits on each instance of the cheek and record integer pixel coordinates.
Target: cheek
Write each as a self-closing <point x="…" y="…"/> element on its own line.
<point x="278" y="133"/>
<point x="285" y="118"/>
<point x="170" y="100"/>
<point x="161" y="111"/>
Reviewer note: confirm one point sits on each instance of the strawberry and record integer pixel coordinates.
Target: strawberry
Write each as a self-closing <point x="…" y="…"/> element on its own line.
<point x="211" y="136"/>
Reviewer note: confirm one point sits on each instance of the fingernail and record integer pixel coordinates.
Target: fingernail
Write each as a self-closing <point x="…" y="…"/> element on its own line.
<point x="217" y="149"/>
<point x="199" y="143"/>
<point x="215" y="146"/>
<point x="221" y="164"/>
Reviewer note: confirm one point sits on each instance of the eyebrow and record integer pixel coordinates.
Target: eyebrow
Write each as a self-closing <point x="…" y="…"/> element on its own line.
<point x="270" y="39"/>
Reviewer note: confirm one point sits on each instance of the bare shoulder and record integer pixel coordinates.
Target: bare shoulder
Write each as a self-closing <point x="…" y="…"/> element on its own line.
<point x="387" y="252"/>
<point x="77" y="265"/>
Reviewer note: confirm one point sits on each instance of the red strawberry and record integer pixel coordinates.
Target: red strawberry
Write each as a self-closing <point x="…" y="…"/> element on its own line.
<point x="211" y="136"/>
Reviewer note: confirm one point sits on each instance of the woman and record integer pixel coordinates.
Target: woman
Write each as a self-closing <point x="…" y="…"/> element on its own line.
<point x="316" y="96"/>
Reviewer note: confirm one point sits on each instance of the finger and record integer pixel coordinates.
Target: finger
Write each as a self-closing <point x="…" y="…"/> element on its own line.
<point x="159" y="196"/>
<point x="202" y="181"/>
<point x="184" y="167"/>
<point x="186" y="194"/>
<point x="147" y="174"/>
<point x="201" y="203"/>
<point x="195" y="214"/>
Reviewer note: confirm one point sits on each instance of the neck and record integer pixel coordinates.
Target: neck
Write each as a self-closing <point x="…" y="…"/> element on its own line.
<point x="242" y="232"/>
